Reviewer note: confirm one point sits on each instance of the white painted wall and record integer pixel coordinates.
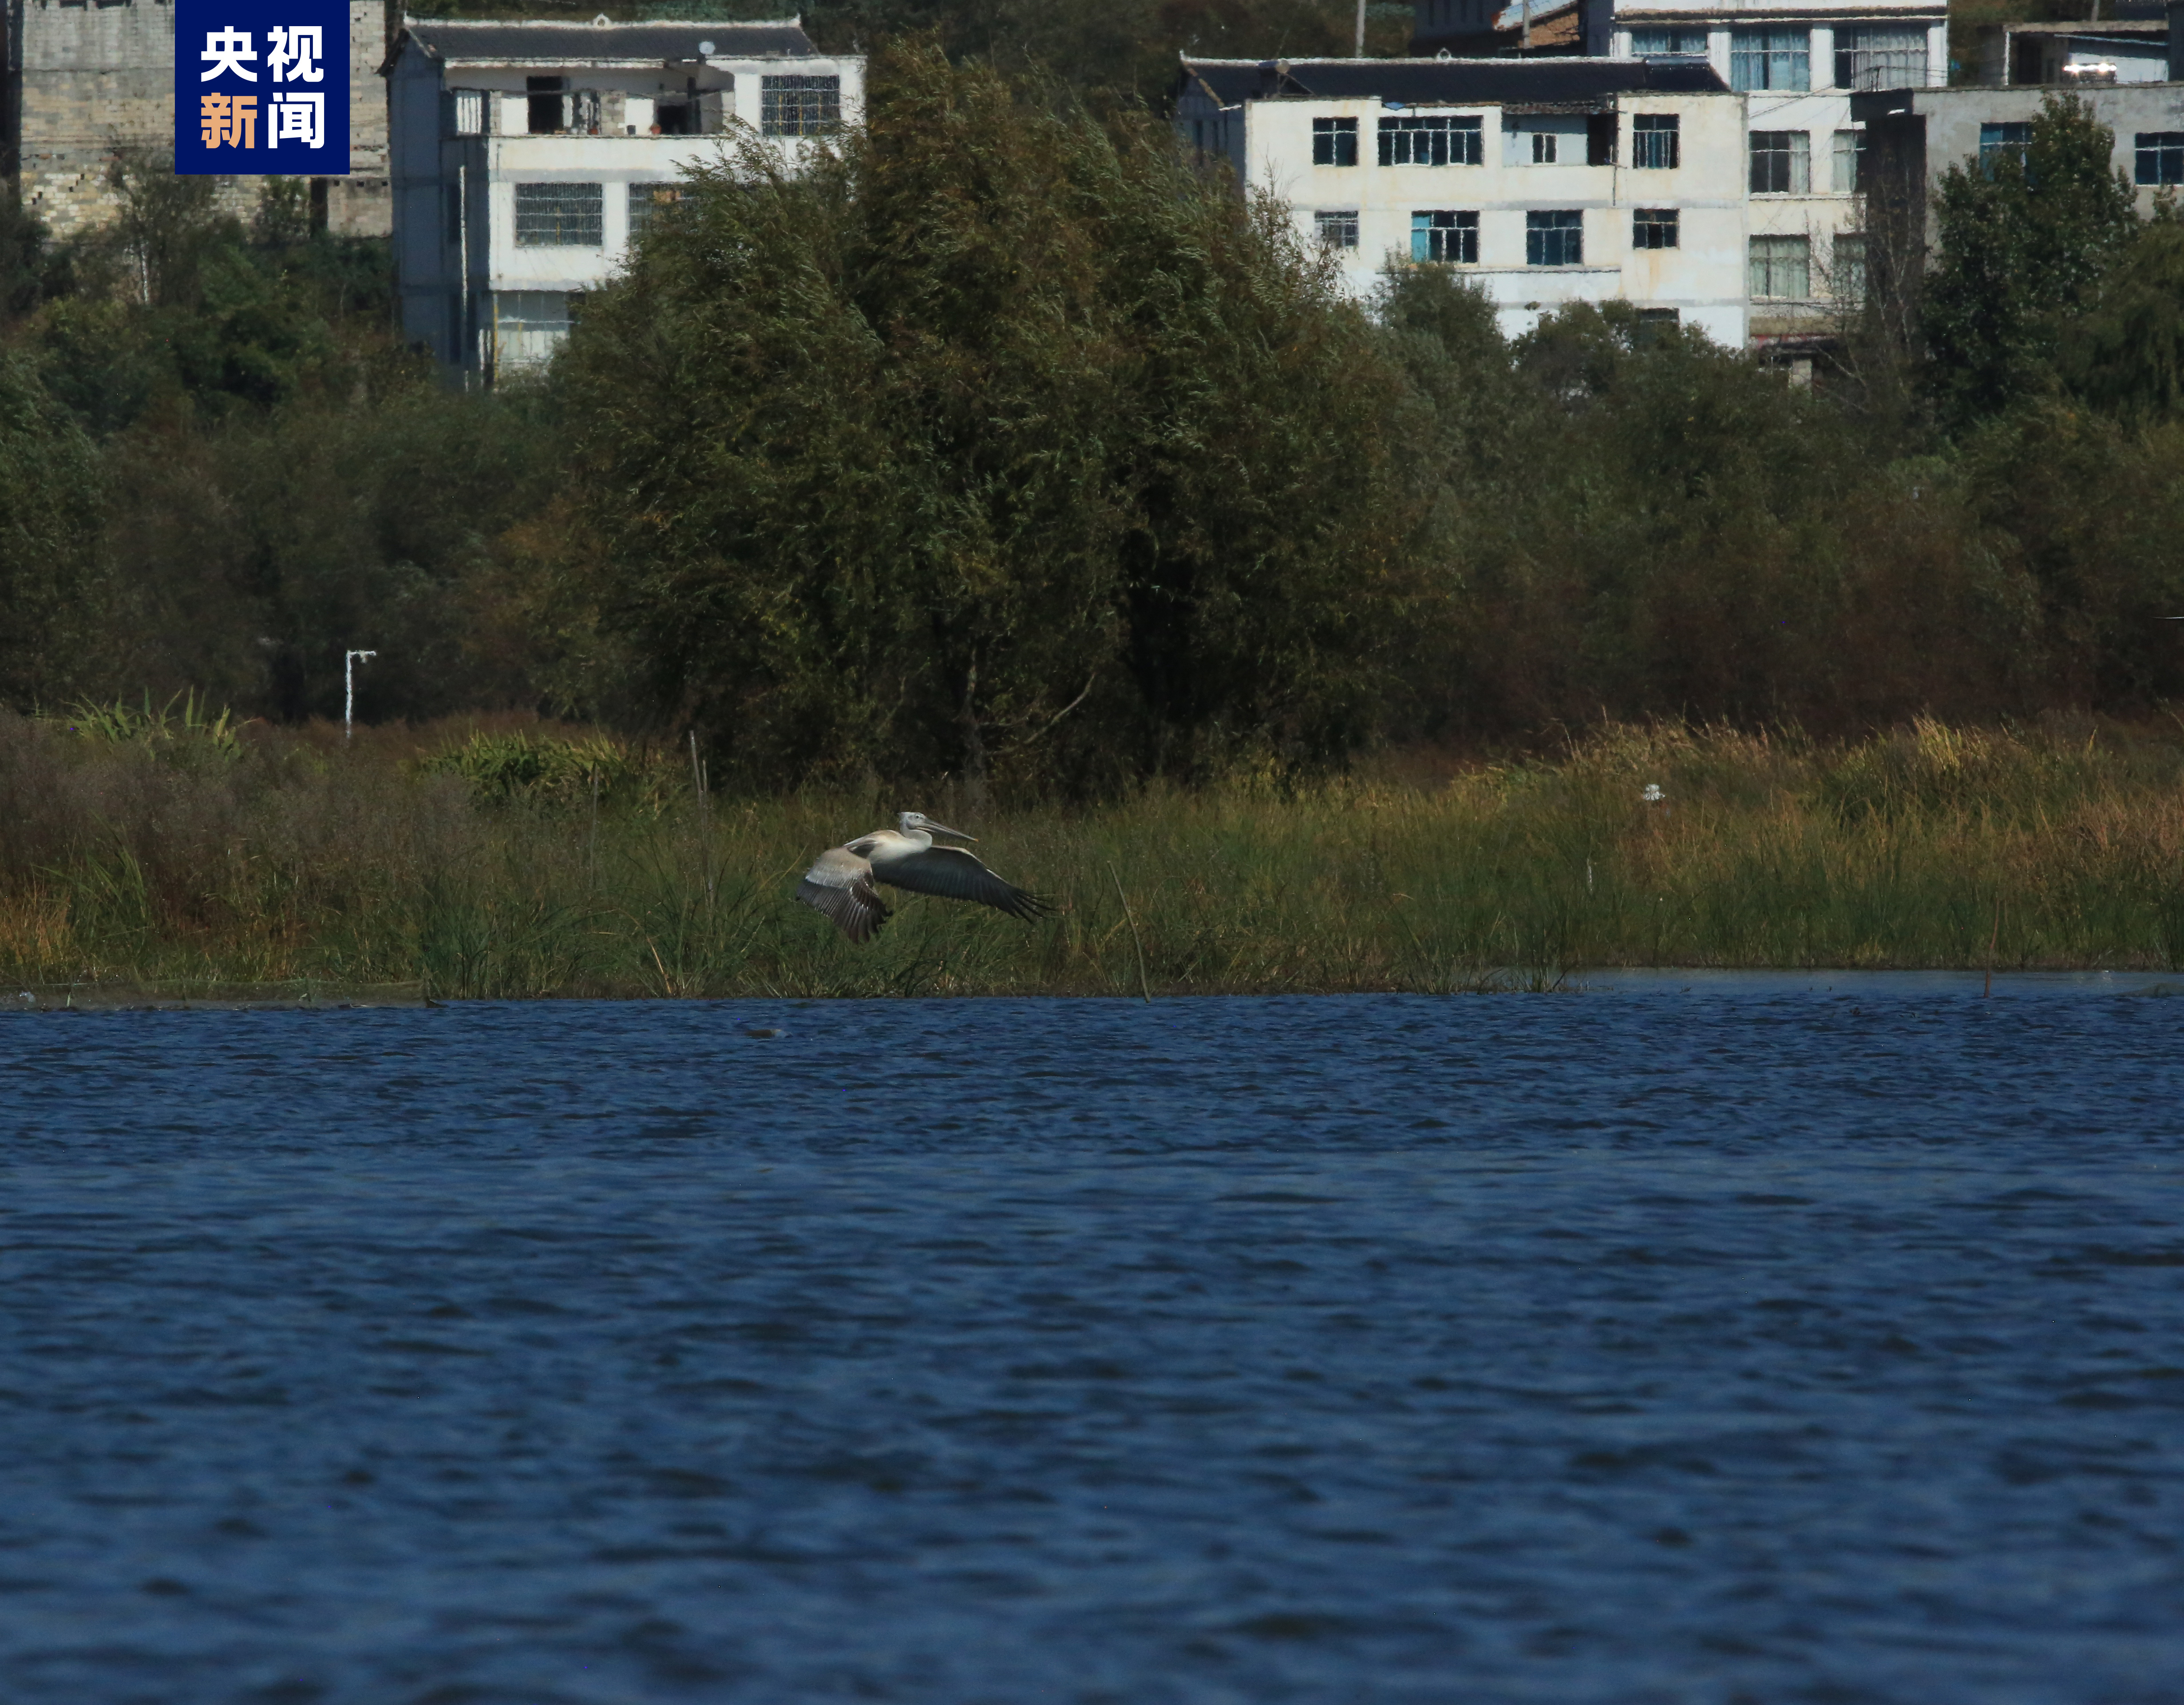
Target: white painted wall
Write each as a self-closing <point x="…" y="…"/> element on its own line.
<point x="1704" y="279"/>
<point x="454" y="196"/>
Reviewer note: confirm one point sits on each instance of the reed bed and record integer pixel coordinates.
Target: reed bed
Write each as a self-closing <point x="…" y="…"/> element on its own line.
<point x="171" y="857"/>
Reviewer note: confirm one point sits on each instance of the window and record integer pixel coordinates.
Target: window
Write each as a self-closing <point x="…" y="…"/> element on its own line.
<point x="1850" y="161"/>
<point x="1849" y="280"/>
<point x="1430" y="142"/>
<point x="1337" y="230"/>
<point x="466" y="112"/>
<point x="1543" y="147"/>
<point x="1653" y="227"/>
<point x="1781" y="163"/>
<point x="527" y="325"/>
<point x="645" y="201"/>
<point x="559" y="215"/>
<point x="1782" y="268"/>
<point x="2160" y="155"/>
<point x="1769" y="58"/>
<point x="547" y="112"/>
<point x="1447" y="237"/>
<point x="1880" y="57"/>
<point x="1673" y="41"/>
<point x="1554" y="239"/>
<point x="1334" y="142"/>
<point x="1655" y="145"/>
<point x="1995" y="139"/>
<point x="800" y="106"/>
<point x="1651" y="323"/>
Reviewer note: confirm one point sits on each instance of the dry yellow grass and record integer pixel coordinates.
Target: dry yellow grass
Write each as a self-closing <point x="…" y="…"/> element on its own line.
<point x="2064" y="846"/>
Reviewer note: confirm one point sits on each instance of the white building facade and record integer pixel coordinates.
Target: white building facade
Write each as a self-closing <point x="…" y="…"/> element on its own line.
<point x="527" y="156"/>
<point x="1550" y="180"/>
<point x="1796" y="63"/>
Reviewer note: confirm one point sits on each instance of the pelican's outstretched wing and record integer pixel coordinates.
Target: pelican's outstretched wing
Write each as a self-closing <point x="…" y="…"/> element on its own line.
<point x="839" y="883"/>
<point x="951" y="873"/>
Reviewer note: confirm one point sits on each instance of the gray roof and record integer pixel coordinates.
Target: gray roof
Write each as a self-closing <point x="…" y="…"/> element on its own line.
<point x="1450" y="82"/>
<point x="495" y="42"/>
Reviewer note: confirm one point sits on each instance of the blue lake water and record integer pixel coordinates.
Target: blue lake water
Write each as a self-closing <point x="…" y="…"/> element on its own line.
<point x="1729" y="1340"/>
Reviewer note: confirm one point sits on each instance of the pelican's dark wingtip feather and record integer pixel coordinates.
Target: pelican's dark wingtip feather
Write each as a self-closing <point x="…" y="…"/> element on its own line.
<point x="1023" y="903"/>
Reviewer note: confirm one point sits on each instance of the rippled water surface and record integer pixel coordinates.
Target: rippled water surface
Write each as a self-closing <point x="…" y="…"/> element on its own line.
<point x="1751" y="1341"/>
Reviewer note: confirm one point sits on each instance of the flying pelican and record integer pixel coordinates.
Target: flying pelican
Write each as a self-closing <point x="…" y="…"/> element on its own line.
<point x="840" y="883"/>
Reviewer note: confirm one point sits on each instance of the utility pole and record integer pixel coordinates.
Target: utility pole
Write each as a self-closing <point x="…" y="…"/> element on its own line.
<point x="348" y="690"/>
<point x="1360" y="54"/>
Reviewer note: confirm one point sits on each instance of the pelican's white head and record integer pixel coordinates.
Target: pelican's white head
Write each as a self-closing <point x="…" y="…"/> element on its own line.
<point x="909" y="823"/>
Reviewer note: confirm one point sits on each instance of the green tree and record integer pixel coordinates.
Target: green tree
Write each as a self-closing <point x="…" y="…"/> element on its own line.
<point x="1002" y="443"/>
<point x="52" y="593"/>
<point x="2025" y="239"/>
<point x="2126" y="353"/>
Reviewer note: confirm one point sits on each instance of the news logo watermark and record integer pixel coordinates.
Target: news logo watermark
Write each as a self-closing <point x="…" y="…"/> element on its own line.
<point x="262" y="87"/>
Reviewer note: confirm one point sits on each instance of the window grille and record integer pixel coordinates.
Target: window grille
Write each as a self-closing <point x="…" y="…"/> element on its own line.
<point x="1673" y="41"/>
<point x="529" y="325"/>
<point x="646" y="200"/>
<point x="2160" y="154"/>
<point x="1996" y="140"/>
<point x="1337" y="230"/>
<point x="1554" y="239"/>
<point x="559" y="215"/>
<point x="1451" y="237"/>
<point x="1334" y="142"/>
<point x="1770" y="58"/>
<point x="1880" y="57"/>
<point x="466" y="112"/>
<point x="1850" y="161"/>
<point x="1781" y="163"/>
<point x="1653" y="227"/>
<point x="800" y="105"/>
<point x="1781" y="268"/>
<point x="1432" y="142"/>
<point x="1656" y="144"/>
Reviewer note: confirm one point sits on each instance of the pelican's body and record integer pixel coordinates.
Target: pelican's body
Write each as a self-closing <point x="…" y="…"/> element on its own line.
<point x="842" y="882"/>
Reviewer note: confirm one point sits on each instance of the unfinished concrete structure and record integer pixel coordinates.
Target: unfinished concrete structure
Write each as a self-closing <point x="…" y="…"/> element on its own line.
<point x="1550" y="180"/>
<point x="527" y="156"/>
<point x="86" y="82"/>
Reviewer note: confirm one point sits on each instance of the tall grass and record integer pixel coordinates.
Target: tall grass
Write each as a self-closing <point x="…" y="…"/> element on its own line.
<point x="416" y="856"/>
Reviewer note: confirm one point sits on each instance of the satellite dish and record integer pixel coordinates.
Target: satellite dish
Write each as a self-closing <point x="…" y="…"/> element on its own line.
<point x="704" y="47"/>
<point x="601" y="21"/>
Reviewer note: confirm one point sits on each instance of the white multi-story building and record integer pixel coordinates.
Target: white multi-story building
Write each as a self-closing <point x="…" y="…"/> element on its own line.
<point x="525" y="156"/>
<point x="1551" y="180"/>
<point x="1796" y="63"/>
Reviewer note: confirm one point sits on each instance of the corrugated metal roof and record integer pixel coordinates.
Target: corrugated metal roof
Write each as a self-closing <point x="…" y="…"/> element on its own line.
<point x="1452" y="82"/>
<point x="493" y="42"/>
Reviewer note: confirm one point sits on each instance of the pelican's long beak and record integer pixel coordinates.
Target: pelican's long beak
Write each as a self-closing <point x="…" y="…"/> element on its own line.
<point x="943" y="829"/>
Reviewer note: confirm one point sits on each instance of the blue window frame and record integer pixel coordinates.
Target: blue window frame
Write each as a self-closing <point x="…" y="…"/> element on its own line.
<point x="1450" y="237"/>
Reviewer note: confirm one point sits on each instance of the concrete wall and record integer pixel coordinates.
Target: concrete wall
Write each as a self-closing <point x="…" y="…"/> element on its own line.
<point x="90" y="81"/>
<point x="1952" y="117"/>
<point x="458" y="264"/>
<point x="1703" y="278"/>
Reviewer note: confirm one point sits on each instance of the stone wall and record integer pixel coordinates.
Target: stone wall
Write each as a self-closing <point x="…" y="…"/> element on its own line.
<point x="88" y="81"/>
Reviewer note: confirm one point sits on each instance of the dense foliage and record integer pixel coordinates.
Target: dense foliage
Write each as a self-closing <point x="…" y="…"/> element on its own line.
<point x="1008" y="446"/>
<point x="1002" y="441"/>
